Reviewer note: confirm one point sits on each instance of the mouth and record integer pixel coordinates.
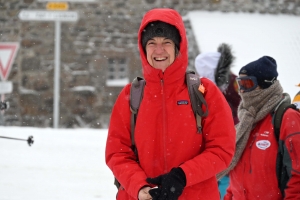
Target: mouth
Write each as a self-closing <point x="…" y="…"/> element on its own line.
<point x="160" y="59"/>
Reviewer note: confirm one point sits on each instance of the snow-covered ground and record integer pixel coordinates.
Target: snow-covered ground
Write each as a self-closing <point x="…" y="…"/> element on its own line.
<point x="61" y="164"/>
<point x="69" y="163"/>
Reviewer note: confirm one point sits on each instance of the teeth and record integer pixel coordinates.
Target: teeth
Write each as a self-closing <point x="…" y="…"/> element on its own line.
<point x="160" y="58"/>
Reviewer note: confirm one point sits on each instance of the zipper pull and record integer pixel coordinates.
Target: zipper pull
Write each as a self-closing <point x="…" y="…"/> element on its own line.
<point x="254" y="138"/>
<point x="162" y="86"/>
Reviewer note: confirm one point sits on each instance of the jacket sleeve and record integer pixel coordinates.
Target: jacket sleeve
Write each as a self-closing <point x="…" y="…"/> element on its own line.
<point x="119" y="156"/>
<point x="218" y="138"/>
<point x="290" y="135"/>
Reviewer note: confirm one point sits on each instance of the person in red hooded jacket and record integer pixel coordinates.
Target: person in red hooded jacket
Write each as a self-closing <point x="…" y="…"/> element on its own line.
<point x="175" y="160"/>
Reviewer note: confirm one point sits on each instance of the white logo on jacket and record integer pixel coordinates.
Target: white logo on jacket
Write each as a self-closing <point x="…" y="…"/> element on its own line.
<point x="265" y="134"/>
<point x="263" y="144"/>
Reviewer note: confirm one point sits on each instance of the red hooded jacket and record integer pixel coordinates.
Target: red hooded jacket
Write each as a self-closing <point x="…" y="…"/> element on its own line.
<point x="254" y="177"/>
<point x="166" y="132"/>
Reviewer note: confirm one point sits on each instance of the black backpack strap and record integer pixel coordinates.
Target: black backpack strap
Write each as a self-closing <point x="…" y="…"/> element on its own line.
<point x="279" y="112"/>
<point x="197" y="100"/>
<point x="281" y="172"/>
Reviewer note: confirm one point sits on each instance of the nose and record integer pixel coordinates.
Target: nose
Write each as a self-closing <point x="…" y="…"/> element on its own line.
<point x="159" y="48"/>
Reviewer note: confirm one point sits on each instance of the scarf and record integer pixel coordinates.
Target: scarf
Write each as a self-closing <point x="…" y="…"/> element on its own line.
<point x="254" y="106"/>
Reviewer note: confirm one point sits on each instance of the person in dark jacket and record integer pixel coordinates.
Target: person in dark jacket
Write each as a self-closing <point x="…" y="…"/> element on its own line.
<point x="252" y="171"/>
<point x="216" y="66"/>
<point x="175" y="160"/>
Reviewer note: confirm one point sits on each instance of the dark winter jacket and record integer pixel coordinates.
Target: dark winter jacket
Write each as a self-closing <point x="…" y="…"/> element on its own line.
<point x="232" y="96"/>
<point x="254" y="177"/>
<point x="166" y="132"/>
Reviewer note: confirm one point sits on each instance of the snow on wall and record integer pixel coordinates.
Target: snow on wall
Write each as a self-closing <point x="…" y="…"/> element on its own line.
<point x="253" y="36"/>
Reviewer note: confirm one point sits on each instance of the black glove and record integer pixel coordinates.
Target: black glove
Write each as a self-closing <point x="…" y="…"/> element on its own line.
<point x="170" y="185"/>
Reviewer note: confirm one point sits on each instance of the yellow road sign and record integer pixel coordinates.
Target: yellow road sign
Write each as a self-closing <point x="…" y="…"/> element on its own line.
<point x="57" y="6"/>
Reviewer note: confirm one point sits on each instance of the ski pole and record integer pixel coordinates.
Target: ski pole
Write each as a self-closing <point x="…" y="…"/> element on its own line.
<point x="29" y="140"/>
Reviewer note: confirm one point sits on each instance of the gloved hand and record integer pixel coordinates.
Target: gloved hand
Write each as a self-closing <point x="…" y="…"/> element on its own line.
<point x="170" y="185"/>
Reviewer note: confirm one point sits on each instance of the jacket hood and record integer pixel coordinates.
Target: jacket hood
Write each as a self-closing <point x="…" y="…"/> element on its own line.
<point x="222" y="74"/>
<point x="177" y="69"/>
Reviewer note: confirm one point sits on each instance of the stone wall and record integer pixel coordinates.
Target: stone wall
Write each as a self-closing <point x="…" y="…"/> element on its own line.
<point x="106" y="32"/>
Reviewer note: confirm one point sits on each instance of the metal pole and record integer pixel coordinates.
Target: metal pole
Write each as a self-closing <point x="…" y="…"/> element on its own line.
<point x="29" y="140"/>
<point x="2" y="120"/>
<point x="56" y="75"/>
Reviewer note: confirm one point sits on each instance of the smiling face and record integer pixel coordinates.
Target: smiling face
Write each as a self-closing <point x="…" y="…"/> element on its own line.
<point x="160" y="52"/>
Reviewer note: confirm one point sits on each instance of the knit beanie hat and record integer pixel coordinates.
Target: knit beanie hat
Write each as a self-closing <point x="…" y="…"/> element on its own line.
<point x="160" y="29"/>
<point x="206" y="64"/>
<point x="264" y="69"/>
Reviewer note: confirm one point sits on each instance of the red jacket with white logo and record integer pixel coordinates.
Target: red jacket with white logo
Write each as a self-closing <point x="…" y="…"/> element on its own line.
<point x="166" y="132"/>
<point x="254" y="177"/>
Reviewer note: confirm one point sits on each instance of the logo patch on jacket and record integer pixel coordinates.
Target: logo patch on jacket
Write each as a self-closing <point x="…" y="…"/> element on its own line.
<point x="263" y="144"/>
<point x="265" y="134"/>
<point x="182" y="102"/>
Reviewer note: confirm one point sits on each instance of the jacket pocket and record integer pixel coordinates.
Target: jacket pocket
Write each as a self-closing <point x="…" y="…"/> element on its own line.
<point x="292" y="143"/>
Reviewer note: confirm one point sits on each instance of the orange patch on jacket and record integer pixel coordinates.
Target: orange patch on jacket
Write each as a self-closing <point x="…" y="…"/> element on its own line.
<point x="201" y="88"/>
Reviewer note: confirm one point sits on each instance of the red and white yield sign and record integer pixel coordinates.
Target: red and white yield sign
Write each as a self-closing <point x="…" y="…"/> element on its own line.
<point x="8" y="53"/>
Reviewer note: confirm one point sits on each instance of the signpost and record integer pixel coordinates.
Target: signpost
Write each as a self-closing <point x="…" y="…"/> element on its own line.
<point x="6" y="87"/>
<point x="8" y="53"/>
<point x="57" y="6"/>
<point x="42" y="15"/>
<point x="57" y="17"/>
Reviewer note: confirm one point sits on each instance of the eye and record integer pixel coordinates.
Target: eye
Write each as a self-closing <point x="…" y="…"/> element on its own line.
<point x="168" y="41"/>
<point x="150" y="42"/>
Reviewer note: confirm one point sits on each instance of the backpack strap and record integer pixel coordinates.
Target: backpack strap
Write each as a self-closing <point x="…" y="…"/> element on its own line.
<point x="279" y="111"/>
<point x="281" y="171"/>
<point x="197" y="100"/>
<point x="136" y="96"/>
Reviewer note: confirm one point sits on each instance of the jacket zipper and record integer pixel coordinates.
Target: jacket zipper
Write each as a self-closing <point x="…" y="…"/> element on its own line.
<point x="164" y="125"/>
<point x="254" y="138"/>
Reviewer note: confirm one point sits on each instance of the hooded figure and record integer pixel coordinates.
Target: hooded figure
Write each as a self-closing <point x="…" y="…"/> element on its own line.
<point x="296" y="99"/>
<point x="172" y="155"/>
<point x="253" y="170"/>
<point x="216" y="67"/>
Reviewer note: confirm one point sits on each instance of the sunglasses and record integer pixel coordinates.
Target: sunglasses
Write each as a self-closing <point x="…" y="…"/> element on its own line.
<point x="247" y="83"/>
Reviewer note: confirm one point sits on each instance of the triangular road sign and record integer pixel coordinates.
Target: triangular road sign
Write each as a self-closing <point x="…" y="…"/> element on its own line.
<point x="8" y="52"/>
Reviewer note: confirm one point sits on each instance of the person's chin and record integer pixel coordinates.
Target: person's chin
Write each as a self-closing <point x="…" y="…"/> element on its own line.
<point x="161" y="66"/>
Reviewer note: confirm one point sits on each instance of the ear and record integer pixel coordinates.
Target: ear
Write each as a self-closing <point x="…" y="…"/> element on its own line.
<point x="176" y="51"/>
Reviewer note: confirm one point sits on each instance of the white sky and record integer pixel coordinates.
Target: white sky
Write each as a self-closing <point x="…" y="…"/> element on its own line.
<point x="69" y="163"/>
